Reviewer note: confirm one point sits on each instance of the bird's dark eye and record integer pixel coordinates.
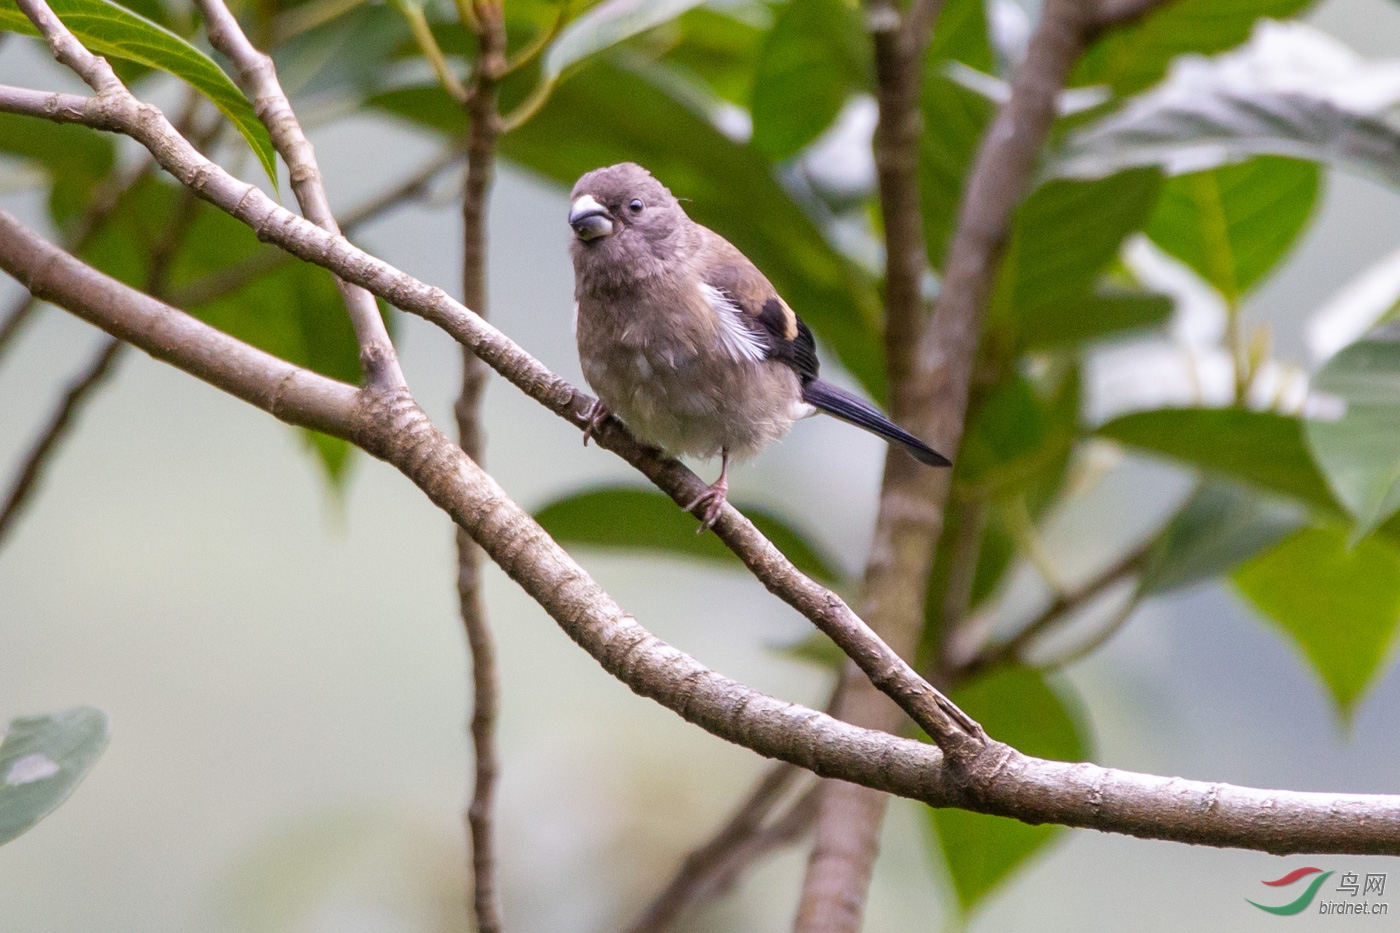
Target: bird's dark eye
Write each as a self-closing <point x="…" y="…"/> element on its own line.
<point x="636" y="206"/>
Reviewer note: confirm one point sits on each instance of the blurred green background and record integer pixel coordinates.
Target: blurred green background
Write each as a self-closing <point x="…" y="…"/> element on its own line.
<point x="285" y="674"/>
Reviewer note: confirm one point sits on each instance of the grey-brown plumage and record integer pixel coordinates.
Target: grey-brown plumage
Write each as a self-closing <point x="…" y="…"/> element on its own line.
<point x="685" y="340"/>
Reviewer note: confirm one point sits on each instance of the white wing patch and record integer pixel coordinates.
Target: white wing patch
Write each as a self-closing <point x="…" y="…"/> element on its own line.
<point x="740" y="342"/>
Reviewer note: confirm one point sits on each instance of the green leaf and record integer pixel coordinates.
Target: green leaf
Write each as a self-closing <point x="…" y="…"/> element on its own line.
<point x="813" y="57"/>
<point x="1066" y="234"/>
<point x="1233" y="224"/>
<point x="961" y="36"/>
<point x="1134" y="57"/>
<point x="1038" y="717"/>
<point x="1360" y="452"/>
<point x="75" y="158"/>
<point x="1260" y="449"/>
<point x="42" y="760"/>
<point x="108" y="29"/>
<point x="629" y="517"/>
<point x="955" y="118"/>
<point x="719" y="49"/>
<point x="1101" y="315"/>
<point x="293" y="311"/>
<point x="605" y="25"/>
<point x="1234" y="107"/>
<point x="1338" y="603"/>
<point x="1222" y="525"/>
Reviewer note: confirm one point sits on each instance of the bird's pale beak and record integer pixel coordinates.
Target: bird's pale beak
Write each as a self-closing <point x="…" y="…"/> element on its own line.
<point x="590" y="220"/>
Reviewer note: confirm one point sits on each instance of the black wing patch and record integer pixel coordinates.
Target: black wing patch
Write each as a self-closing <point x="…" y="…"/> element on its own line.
<point x="800" y="352"/>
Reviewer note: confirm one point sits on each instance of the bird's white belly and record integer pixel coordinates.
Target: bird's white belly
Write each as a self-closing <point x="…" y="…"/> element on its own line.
<point x="697" y="406"/>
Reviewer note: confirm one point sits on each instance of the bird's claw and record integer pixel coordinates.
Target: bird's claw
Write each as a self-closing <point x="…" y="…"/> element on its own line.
<point x="594" y="417"/>
<point x="710" y="503"/>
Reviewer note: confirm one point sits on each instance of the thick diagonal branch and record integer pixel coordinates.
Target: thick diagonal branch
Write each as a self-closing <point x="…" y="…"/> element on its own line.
<point x="995" y="779"/>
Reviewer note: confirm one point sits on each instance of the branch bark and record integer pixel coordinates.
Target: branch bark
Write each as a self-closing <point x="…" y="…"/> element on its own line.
<point x="482" y="133"/>
<point x="908" y="523"/>
<point x="257" y="76"/>
<point x="996" y="779"/>
<point x="120" y="112"/>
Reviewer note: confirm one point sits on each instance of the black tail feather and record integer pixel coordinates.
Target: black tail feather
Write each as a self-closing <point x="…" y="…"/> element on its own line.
<point x="862" y="414"/>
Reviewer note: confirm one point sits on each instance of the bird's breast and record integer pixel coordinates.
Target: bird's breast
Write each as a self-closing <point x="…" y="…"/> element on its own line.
<point x="678" y="389"/>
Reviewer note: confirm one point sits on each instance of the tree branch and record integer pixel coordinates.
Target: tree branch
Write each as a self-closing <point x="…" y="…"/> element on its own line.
<point x="938" y="716"/>
<point x="995" y="779"/>
<point x="909" y="518"/>
<point x="713" y="867"/>
<point x="483" y="130"/>
<point x="258" y="77"/>
<point x="78" y="394"/>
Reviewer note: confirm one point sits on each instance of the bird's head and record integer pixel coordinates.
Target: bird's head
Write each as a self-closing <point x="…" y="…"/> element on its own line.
<point x="623" y="213"/>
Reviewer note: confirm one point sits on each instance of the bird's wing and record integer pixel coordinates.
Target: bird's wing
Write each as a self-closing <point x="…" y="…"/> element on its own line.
<point x="755" y="323"/>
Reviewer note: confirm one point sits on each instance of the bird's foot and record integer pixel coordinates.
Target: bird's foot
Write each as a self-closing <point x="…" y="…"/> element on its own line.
<point x="709" y="504"/>
<point x="594" y="417"/>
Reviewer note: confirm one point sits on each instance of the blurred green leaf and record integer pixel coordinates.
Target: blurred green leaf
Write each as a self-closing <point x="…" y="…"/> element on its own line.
<point x="961" y="36"/>
<point x="813" y="57"/>
<point x="1261" y="449"/>
<point x="816" y="649"/>
<point x="294" y="311"/>
<point x="1232" y="107"/>
<point x="605" y="25"/>
<point x="74" y="157"/>
<point x="1038" y="717"/>
<point x="108" y="29"/>
<point x="629" y="517"/>
<point x="1340" y="604"/>
<point x="1219" y="527"/>
<point x="955" y="118"/>
<point x="42" y="760"/>
<point x="1009" y="427"/>
<point x="348" y="56"/>
<point x="1100" y="315"/>
<point x="719" y="49"/>
<point x="1360" y="452"/>
<point x="1131" y="58"/>
<point x="1234" y="223"/>
<point x="1066" y="233"/>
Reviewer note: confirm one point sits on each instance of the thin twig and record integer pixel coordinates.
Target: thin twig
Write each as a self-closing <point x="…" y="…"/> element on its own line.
<point x="482" y="103"/>
<point x="79" y="393"/>
<point x="19" y="315"/>
<point x="700" y="873"/>
<point x="526" y="54"/>
<point x="1060" y="608"/>
<point x="258" y="77"/>
<point x="428" y="45"/>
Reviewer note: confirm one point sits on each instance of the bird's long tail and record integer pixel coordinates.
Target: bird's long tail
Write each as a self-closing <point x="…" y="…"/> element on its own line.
<point x="862" y="414"/>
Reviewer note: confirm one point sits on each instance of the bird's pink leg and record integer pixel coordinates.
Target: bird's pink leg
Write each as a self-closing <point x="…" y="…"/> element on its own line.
<point x="711" y="501"/>
<point x="594" y="417"/>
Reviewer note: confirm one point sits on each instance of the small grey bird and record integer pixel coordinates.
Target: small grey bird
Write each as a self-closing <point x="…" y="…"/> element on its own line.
<point x="685" y="340"/>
